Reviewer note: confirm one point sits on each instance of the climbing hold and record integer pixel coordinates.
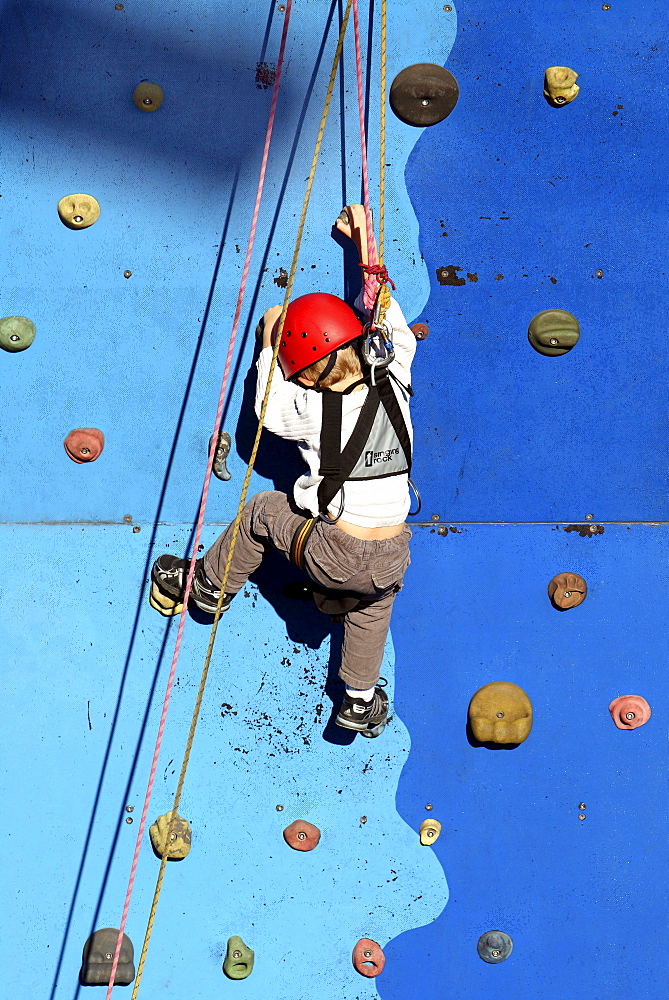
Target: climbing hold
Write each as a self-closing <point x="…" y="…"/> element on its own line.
<point x="84" y="444"/>
<point x="78" y="211"/>
<point x="420" y="330"/>
<point x="147" y="96"/>
<point x="630" y="711"/>
<point x="429" y="830"/>
<point x="500" y="712"/>
<point x="238" y="962"/>
<point x="368" y="958"/>
<point x="98" y="958"/>
<point x="423" y="94"/>
<point x="166" y="605"/>
<point x="16" y="333"/>
<point x="553" y="332"/>
<point x="180" y="836"/>
<point x="494" y="947"/>
<point x="560" y="85"/>
<point x="219" y="468"/>
<point x="302" y="836"/>
<point x="567" y="590"/>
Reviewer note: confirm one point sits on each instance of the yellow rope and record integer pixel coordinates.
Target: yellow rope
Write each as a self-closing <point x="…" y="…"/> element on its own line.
<point x="242" y="501"/>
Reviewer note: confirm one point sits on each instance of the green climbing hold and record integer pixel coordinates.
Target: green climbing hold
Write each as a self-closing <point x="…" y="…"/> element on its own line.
<point x="553" y="332"/>
<point x="16" y="333"/>
<point x="238" y="959"/>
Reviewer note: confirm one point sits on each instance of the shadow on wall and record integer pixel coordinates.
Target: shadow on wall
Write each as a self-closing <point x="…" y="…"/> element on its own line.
<point x="73" y="67"/>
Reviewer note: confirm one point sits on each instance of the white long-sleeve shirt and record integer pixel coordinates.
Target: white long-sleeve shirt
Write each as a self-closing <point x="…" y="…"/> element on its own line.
<point x="295" y="413"/>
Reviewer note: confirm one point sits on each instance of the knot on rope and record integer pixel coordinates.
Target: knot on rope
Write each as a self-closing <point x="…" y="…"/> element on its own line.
<point x="380" y="272"/>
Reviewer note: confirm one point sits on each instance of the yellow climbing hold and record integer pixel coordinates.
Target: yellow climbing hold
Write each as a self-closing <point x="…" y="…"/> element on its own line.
<point x="179" y="836"/>
<point x="167" y="606"/>
<point x="429" y="830"/>
<point x="78" y="211"/>
<point x="148" y="96"/>
<point x="500" y="713"/>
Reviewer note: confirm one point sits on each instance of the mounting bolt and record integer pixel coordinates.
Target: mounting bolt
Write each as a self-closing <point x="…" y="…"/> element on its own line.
<point x="435" y="517"/>
<point x="136" y="529"/>
<point x="279" y="809"/>
<point x="129" y="809"/>
<point x="127" y="274"/>
<point x="589" y="517"/>
<point x="428" y="806"/>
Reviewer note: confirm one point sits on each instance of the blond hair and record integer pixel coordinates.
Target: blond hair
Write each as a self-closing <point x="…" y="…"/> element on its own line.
<point x="347" y="365"/>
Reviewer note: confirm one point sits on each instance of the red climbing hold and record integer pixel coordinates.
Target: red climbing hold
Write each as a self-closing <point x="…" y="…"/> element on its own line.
<point x="302" y="836"/>
<point x="629" y="711"/>
<point x="84" y="444"/>
<point x="368" y="958"/>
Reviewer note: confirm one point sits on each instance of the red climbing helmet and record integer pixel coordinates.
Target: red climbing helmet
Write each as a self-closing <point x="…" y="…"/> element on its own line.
<point x="316" y="324"/>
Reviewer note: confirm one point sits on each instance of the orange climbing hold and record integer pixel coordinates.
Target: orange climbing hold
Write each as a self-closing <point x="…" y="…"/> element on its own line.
<point x="368" y="958"/>
<point x="302" y="836"/>
<point x="630" y="711"/>
<point x="84" y="444"/>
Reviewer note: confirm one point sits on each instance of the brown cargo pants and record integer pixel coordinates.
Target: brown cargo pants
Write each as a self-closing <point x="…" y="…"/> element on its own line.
<point x="369" y="569"/>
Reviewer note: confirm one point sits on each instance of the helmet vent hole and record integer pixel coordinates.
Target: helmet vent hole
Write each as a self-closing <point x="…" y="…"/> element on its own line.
<point x="304" y="333"/>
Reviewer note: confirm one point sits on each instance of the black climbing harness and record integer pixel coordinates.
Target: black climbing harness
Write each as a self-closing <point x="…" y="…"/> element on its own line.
<point x="379" y="445"/>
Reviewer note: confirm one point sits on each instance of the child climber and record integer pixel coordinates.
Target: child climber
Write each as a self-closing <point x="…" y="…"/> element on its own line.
<point x="348" y="410"/>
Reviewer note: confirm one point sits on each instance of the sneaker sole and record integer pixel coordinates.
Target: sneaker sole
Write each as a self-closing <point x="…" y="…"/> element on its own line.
<point x="362" y="727"/>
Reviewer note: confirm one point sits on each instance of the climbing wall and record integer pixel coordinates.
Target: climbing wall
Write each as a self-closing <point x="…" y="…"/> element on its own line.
<point x="530" y="465"/>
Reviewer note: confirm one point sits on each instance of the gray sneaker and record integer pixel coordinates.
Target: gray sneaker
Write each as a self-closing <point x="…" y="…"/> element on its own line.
<point x="369" y="718"/>
<point x="168" y="579"/>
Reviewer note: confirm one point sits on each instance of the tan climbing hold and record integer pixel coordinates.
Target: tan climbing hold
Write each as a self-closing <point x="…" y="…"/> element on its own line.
<point x="560" y="85"/>
<point x="148" y="96"/>
<point x="166" y="605"/>
<point x="180" y="836"/>
<point x="78" y="211"/>
<point x="500" y="713"/>
<point x="429" y="830"/>
<point x="567" y="590"/>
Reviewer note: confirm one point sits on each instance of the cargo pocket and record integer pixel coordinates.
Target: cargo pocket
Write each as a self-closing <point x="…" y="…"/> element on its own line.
<point x="388" y="568"/>
<point x="330" y="561"/>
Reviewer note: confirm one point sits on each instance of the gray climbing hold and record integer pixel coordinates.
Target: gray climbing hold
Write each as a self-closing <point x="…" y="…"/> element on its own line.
<point x="494" y="946"/>
<point x="219" y="467"/>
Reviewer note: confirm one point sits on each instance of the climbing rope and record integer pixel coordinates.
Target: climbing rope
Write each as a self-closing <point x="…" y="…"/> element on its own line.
<point x="376" y="294"/>
<point x="382" y="136"/>
<point x="203" y="503"/>
<point x="384" y="294"/>
<point x="237" y="520"/>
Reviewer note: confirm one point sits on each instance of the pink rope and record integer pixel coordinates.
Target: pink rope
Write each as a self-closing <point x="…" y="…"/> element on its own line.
<point x="371" y="284"/>
<point x="205" y="493"/>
